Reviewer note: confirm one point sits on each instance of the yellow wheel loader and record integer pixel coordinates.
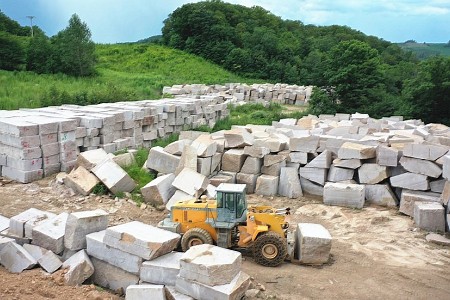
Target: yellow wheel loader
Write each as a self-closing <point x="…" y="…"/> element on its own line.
<point x="228" y="222"/>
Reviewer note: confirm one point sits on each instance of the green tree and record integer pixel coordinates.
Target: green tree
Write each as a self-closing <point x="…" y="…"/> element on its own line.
<point x="39" y="54"/>
<point x="74" y="51"/>
<point x="12" y="54"/>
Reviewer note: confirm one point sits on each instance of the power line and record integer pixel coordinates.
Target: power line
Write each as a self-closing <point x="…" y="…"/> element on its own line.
<point x="31" y="24"/>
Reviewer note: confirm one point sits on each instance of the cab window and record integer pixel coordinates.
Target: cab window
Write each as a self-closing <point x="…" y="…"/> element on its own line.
<point x="219" y="198"/>
<point x="240" y="203"/>
<point x="229" y="201"/>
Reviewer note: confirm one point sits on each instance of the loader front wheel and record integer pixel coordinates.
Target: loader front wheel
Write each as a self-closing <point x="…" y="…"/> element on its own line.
<point x="195" y="236"/>
<point x="269" y="249"/>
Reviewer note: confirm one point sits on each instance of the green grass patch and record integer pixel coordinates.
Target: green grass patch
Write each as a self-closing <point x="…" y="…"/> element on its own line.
<point x="163" y="142"/>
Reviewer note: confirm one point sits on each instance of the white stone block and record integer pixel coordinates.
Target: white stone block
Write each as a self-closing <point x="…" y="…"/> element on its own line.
<point x="15" y="258"/>
<point x="145" y="291"/>
<point x="425" y="151"/>
<point x="267" y="185"/>
<point x="421" y="166"/>
<point x="161" y="161"/>
<point x="351" y="150"/>
<point x="313" y="243"/>
<point x="113" y="177"/>
<point x="18" y="222"/>
<point x="91" y="158"/>
<point x="323" y="160"/>
<point x="308" y="144"/>
<point x="81" y="181"/>
<point x="317" y="175"/>
<point x="80" y="224"/>
<point x="387" y="156"/>
<point x="410" y="181"/>
<point x="233" y="160"/>
<point x="111" y="277"/>
<point x="343" y="194"/>
<point x="79" y="268"/>
<point x="191" y="182"/>
<point x="289" y="183"/>
<point x="162" y="270"/>
<point x="409" y="198"/>
<point x="238" y="138"/>
<point x="429" y="216"/>
<point x="50" y="234"/>
<point x="336" y="174"/>
<point x="372" y="173"/>
<point x="159" y="190"/>
<point x="380" y="194"/>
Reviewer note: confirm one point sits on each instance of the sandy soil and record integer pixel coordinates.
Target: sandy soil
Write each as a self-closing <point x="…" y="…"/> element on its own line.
<point x="376" y="254"/>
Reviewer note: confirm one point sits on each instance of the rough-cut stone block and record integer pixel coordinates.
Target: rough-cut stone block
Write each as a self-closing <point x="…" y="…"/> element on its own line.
<point x="48" y="260"/>
<point x="255" y="151"/>
<point x="89" y="159"/>
<point x="233" y="159"/>
<point x="178" y="196"/>
<point x="162" y="270"/>
<point x="17" y="223"/>
<point x="249" y="180"/>
<point x="429" y="216"/>
<point x="4" y="223"/>
<point x="3" y="241"/>
<point x="124" y="159"/>
<point x="234" y="290"/>
<point x="176" y="148"/>
<point x="313" y="243"/>
<point x="336" y="174"/>
<point x="191" y="182"/>
<point x="323" y="160"/>
<point x="310" y="187"/>
<point x="116" y="257"/>
<point x="204" y="165"/>
<point x="205" y="145"/>
<point x="445" y="195"/>
<point x="424" y="151"/>
<point x="437" y="186"/>
<point x="351" y="150"/>
<point x="79" y="268"/>
<point x="216" y="160"/>
<point x="446" y="167"/>
<point x="221" y="178"/>
<point x="159" y="190"/>
<point x="387" y="156"/>
<point x="188" y="159"/>
<point x="437" y="239"/>
<point x="273" y="170"/>
<point x="289" y="183"/>
<point x="272" y="159"/>
<point x="308" y="144"/>
<point x="161" y="161"/>
<point x="347" y="163"/>
<point x="173" y="294"/>
<point x="145" y="291"/>
<point x="410" y="181"/>
<point x="317" y="175"/>
<point x="114" y="177"/>
<point x="344" y="194"/>
<point x="80" y="224"/>
<point x="252" y="165"/>
<point x="298" y="157"/>
<point x="111" y="277"/>
<point x="140" y="239"/>
<point x="238" y="138"/>
<point x="409" y="198"/>
<point x="420" y="166"/>
<point x="81" y="181"/>
<point x="372" y="173"/>
<point x="50" y="234"/>
<point x="267" y="185"/>
<point x="16" y="259"/>
<point x="380" y="194"/>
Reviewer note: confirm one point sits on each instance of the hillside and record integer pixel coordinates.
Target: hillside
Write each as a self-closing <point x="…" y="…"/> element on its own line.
<point x="426" y="50"/>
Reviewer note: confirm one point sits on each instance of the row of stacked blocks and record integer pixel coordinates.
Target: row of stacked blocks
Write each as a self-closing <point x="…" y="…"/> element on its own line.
<point x="39" y="142"/>
<point x="347" y="160"/>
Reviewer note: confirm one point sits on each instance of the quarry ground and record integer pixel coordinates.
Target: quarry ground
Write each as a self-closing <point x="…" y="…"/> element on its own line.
<point x="376" y="254"/>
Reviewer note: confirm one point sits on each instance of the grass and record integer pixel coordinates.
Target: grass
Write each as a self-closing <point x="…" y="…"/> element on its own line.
<point x="425" y="50"/>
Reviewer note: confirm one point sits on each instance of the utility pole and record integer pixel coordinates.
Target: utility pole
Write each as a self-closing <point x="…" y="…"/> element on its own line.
<point x="31" y="24"/>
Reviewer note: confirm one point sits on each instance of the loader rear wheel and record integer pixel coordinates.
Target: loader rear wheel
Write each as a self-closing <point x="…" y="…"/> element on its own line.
<point x="269" y="249"/>
<point x="195" y="236"/>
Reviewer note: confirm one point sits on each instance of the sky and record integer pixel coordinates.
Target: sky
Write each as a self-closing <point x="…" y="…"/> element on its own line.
<point x="114" y="21"/>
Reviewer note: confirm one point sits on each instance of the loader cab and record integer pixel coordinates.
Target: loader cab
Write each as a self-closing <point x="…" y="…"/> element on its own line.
<point x="231" y="203"/>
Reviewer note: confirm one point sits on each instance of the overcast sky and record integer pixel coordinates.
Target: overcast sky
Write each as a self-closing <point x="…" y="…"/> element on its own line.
<point x="114" y="21"/>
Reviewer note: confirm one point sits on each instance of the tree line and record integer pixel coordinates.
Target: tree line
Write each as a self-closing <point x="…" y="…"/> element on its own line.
<point x="71" y="51"/>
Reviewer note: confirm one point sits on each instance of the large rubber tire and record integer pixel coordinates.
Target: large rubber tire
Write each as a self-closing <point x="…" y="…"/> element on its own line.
<point x="195" y="236"/>
<point x="269" y="249"/>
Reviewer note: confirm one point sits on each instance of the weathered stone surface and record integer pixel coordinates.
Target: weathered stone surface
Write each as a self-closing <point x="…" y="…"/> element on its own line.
<point x="409" y="198"/>
<point x="233" y="159"/>
<point x="79" y="268"/>
<point x="424" y="151"/>
<point x="205" y="145"/>
<point x="15" y="258"/>
<point x="267" y="185"/>
<point x="111" y="277"/>
<point x="323" y="160"/>
<point x="113" y="177"/>
<point x="173" y="294"/>
<point x="163" y="162"/>
<point x="446" y="167"/>
<point x="81" y="181"/>
<point x="313" y="243"/>
<point x="445" y="195"/>
<point x="177" y="197"/>
<point x="145" y="291"/>
<point x="410" y="181"/>
<point x="336" y="174"/>
<point x="3" y="241"/>
<point x="429" y="216"/>
<point x="188" y="159"/>
<point x="252" y="165"/>
<point x="177" y="147"/>
<point x="116" y="257"/>
<point x="317" y="175"/>
<point x="17" y="223"/>
<point x="4" y="223"/>
<point x="308" y="144"/>
<point x="289" y="183"/>
<point x="372" y="173"/>
<point x="420" y="166"/>
<point x="298" y="157"/>
<point x="380" y="194"/>
<point x="347" y="163"/>
<point x="204" y="165"/>
<point x="221" y="178"/>
<point x="344" y="194"/>
<point x="351" y="150"/>
<point x="247" y="179"/>
<point x="273" y="170"/>
<point x="159" y="190"/>
<point x="255" y="151"/>
<point x="437" y="186"/>
<point x="162" y="270"/>
<point x="437" y="239"/>
<point x="216" y="161"/>
<point x="310" y="187"/>
<point x="272" y="159"/>
<point x="124" y="159"/>
<point x="387" y="156"/>
<point x="140" y="239"/>
<point x="238" y="138"/>
<point x="50" y="234"/>
<point x="80" y="224"/>
<point x="48" y="260"/>
<point x="191" y="182"/>
<point x="89" y="159"/>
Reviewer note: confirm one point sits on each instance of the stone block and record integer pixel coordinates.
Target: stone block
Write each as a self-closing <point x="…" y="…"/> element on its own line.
<point x="173" y="294"/>
<point x="272" y="159"/>
<point x="18" y="222"/>
<point x="22" y="176"/>
<point x="5" y="240"/>
<point x="313" y="243"/>
<point x="140" y="239"/>
<point x="252" y="165"/>
<point x="347" y="163"/>
<point x="317" y="175"/>
<point x="111" y="277"/>
<point x="437" y="239"/>
<point x="15" y="258"/>
<point x="298" y="157"/>
<point x="308" y="144"/>
<point x="323" y="160"/>
<point x="114" y="177"/>
<point x="429" y="216"/>
<point x="289" y="183"/>
<point x="387" y="156"/>
<point x="380" y="194"/>
<point x="80" y="224"/>
<point x="424" y="151"/>
<point x="89" y="159"/>
<point x="188" y="159"/>
<point x="205" y="145"/>
<point x="124" y="159"/>
<point x="234" y="290"/>
<point x="446" y="167"/>
<point x="50" y="234"/>
<point x="178" y="196"/>
<point x="249" y="180"/>
<point x="177" y="147"/>
<point x="437" y="186"/>
<point x="221" y="178"/>
<point x="267" y="185"/>
<point x="204" y="165"/>
<point x="372" y="173"/>
<point x="410" y="181"/>
<point x="445" y="195"/>
<point x="159" y="190"/>
<point x="409" y="198"/>
<point x="351" y="150"/>
<point x="216" y="161"/>
<point x="273" y="170"/>
<point x="48" y="260"/>
<point x="81" y="181"/>
<point x="336" y="174"/>
<point x="116" y="257"/>
<point x="233" y="159"/>
<point x="344" y="194"/>
<point x="4" y="223"/>
<point x="145" y="291"/>
<point x="191" y="182"/>
<point x="310" y="187"/>
<point x="162" y="162"/>
<point x="255" y="151"/>
<point x="421" y="166"/>
<point x="162" y="270"/>
<point x="79" y="268"/>
<point x="238" y="138"/>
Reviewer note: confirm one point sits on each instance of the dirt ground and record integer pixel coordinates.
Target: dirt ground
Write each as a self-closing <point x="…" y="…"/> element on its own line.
<point x="376" y="254"/>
